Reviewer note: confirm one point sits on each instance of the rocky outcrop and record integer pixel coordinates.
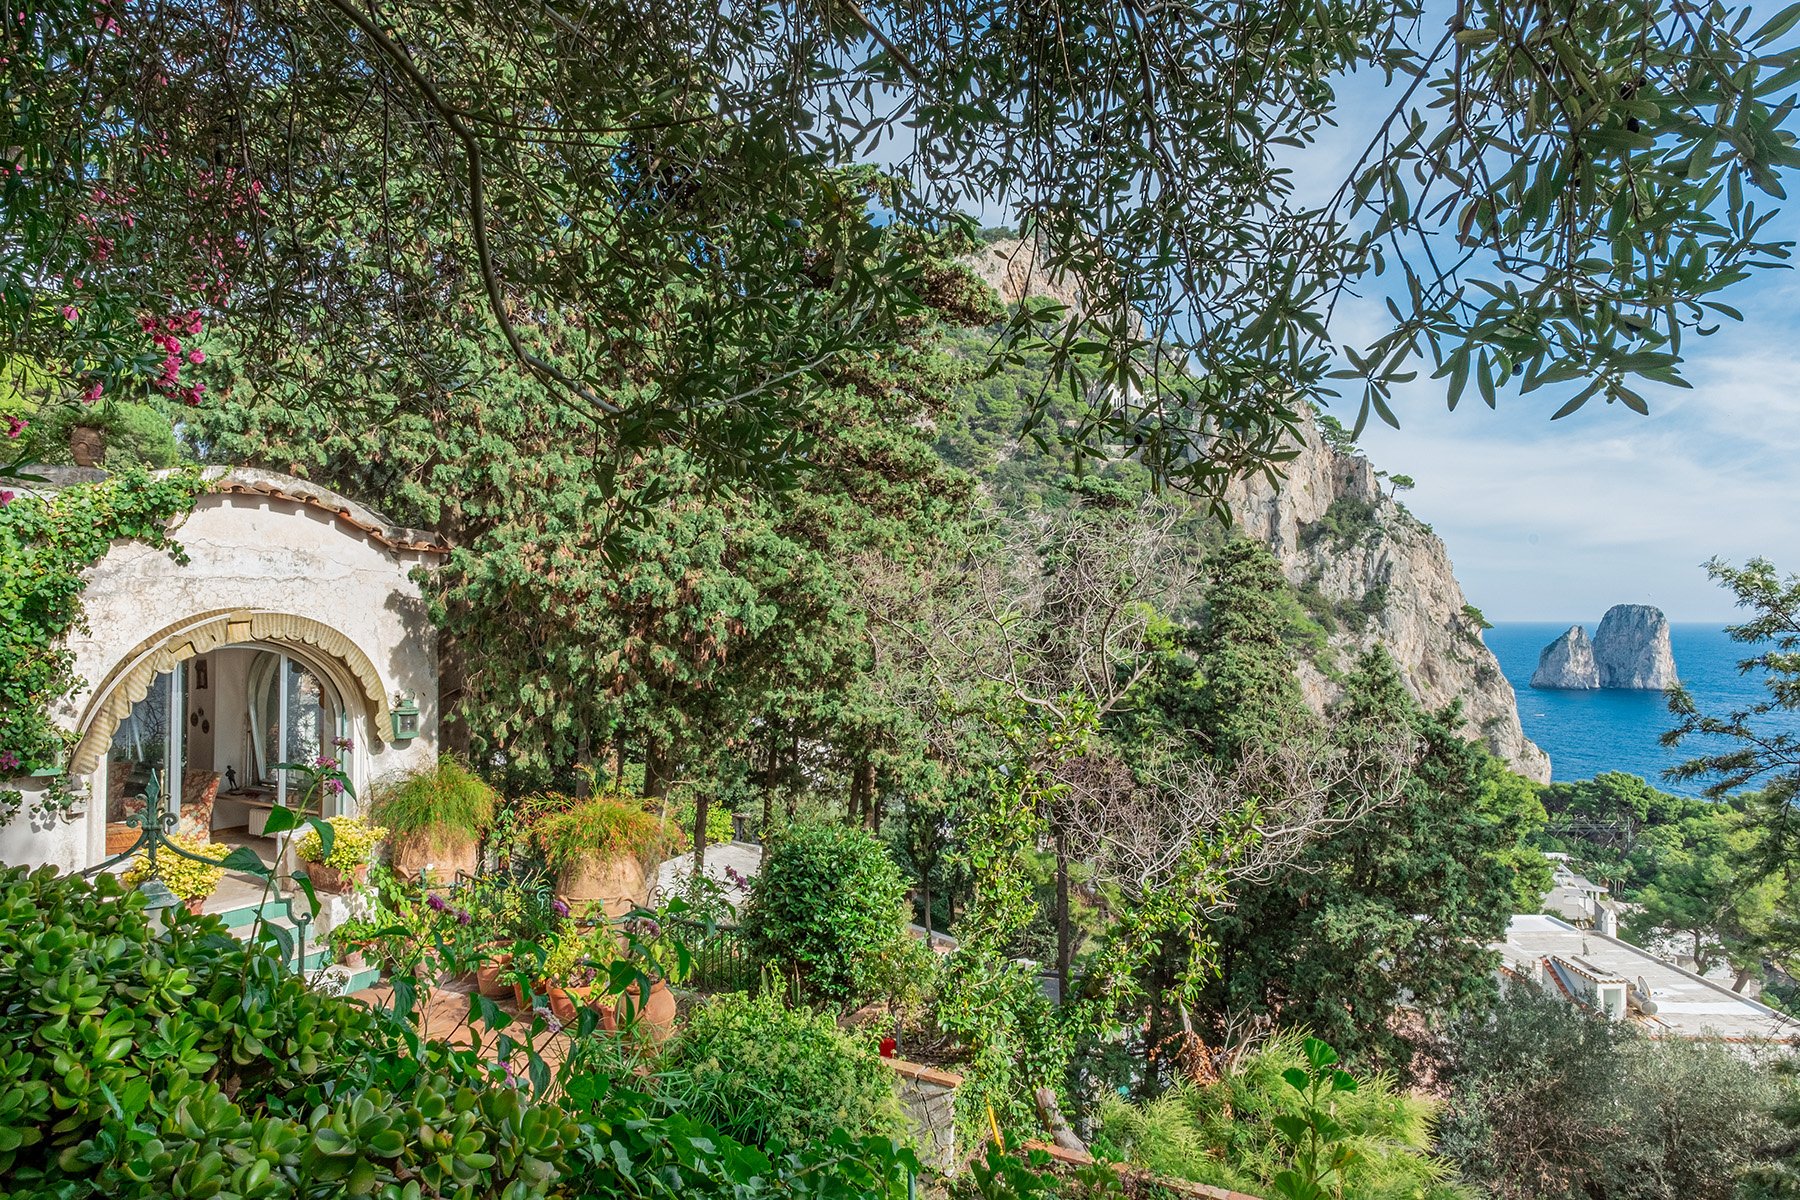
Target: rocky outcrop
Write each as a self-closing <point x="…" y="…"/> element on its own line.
<point x="1567" y="663"/>
<point x="1632" y="650"/>
<point x="1348" y="546"/>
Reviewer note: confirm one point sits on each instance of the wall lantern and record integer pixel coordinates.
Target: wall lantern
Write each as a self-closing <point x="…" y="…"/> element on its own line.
<point x="406" y="718"/>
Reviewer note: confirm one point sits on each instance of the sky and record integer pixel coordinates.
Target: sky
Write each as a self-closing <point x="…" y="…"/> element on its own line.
<point x="1558" y="521"/>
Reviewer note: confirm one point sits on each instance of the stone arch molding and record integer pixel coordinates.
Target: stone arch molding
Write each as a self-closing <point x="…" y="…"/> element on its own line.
<point x="337" y="657"/>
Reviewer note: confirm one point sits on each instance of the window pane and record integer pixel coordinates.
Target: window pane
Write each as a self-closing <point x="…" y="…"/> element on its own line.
<point x="140" y="745"/>
<point x="311" y="721"/>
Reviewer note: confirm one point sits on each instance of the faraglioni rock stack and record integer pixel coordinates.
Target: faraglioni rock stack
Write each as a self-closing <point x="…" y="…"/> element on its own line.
<point x="1630" y="651"/>
<point x="1567" y="663"/>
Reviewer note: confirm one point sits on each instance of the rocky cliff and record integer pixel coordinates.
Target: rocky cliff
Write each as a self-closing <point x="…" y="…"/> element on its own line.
<point x="1358" y="558"/>
<point x="1632" y="650"/>
<point x="1568" y="663"/>
<point x="1366" y="568"/>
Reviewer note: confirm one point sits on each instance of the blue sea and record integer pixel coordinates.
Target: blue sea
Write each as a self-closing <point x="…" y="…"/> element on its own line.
<point x="1586" y="733"/>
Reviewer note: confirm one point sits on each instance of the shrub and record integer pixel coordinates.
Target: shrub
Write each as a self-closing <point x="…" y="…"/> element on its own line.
<point x="599" y="828"/>
<point x="763" y="1073"/>
<point x="1550" y="1101"/>
<point x="443" y="807"/>
<point x="143" y="1058"/>
<point x="1228" y="1134"/>
<point x="353" y="842"/>
<point x="827" y="906"/>
<point x="188" y="879"/>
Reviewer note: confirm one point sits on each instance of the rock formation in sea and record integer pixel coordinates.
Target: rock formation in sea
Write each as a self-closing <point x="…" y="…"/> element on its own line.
<point x="1632" y="650"/>
<point x="1568" y="663"/>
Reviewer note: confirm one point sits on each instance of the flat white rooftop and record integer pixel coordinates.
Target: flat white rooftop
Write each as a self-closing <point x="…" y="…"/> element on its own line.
<point x="1687" y="1006"/>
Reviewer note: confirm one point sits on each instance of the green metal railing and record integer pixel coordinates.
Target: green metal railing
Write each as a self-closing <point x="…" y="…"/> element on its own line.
<point x="157" y="825"/>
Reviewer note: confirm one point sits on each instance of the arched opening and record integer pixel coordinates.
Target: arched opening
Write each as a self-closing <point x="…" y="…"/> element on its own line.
<point x="214" y="710"/>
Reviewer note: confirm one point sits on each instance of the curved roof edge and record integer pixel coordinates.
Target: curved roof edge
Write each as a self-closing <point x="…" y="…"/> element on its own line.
<point x="253" y="481"/>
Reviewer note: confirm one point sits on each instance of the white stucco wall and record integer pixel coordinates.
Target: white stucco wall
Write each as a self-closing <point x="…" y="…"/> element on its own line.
<point x="252" y="552"/>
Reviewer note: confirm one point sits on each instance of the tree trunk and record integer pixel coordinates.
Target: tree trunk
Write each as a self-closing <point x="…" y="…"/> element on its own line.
<point x="925" y="895"/>
<point x="618" y="762"/>
<point x="1063" y="935"/>
<point x="1744" y="976"/>
<point x="656" y="771"/>
<point x="702" y="808"/>
<point x="859" y="794"/>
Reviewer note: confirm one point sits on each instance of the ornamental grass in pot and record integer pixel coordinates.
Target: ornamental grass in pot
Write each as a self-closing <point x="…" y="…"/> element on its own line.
<point x="436" y="818"/>
<point x="191" y="882"/>
<point x="346" y="866"/>
<point x="598" y="848"/>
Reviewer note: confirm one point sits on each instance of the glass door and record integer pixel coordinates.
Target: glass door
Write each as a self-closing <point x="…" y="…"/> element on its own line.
<point x="294" y="718"/>
<point x="149" y="741"/>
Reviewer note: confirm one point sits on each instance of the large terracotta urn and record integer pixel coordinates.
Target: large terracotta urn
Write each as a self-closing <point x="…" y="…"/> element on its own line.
<point x="87" y="445"/>
<point x="617" y="884"/>
<point x="656" y="1017"/>
<point x="411" y="857"/>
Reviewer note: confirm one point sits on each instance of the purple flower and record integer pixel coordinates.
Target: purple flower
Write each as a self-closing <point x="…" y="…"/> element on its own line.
<point x="325" y="762"/>
<point x="436" y="902"/>
<point x="462" y="916"/>
<point x="8" y="761"/>
<point x="333" y="786"/>
<point x="559" y="908"/>
<point x="343" y="743"/>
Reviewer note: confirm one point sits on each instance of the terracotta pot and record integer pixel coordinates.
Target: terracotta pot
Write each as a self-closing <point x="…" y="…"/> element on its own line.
<point x="565" y="1002"/>
<point x="334" y="882"/>
<point x="353" y="958"/>
<point x="487" y="976"/>
<point x="120" y="837"/>
<point x="519" y="996"/>
<point x="656" y="1018"/>
<point x="617" y="884"/>
<point x="87" y="445"/>
<point x="195" y="905"/>
<point x="602" y="1004"/>
<point x="412" y="856"/>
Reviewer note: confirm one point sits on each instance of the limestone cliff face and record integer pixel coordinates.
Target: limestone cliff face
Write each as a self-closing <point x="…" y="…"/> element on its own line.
<point x="1568" y="663"/>
<point x="1632" y="650"/>
<point x="1344" y="543"/>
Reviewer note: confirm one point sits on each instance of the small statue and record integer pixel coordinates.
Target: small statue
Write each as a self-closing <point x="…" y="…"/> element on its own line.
<point x="230" y="780"/>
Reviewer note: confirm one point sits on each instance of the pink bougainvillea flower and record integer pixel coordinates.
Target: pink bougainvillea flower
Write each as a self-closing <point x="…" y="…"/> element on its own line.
<point x="196" y="357"/>
<point x="15" y="426"/>
<point x="70" y="312"/>
<point x="93" y="392"/>
<point x="8" y="760"/>
<point x="6" y="497"/>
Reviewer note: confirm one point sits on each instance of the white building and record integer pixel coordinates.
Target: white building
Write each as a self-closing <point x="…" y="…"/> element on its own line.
<point x="293" y="623"/>
<point x="1627" y="983"/>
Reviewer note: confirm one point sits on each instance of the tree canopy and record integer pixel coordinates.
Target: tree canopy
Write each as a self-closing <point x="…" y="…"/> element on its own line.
<point x="666" y="215"/>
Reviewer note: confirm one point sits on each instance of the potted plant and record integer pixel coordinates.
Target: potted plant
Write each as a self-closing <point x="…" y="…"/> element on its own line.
<point x="353" y="842"/>
<point x="191" y="881"/>
<point x="349" y="939"/>
<point x="570" y="972"/>
<point x="435" y="818"/>
<point x="597" y="848"/>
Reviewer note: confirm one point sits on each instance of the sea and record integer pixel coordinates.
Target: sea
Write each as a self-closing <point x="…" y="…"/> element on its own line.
<point x="1587" y="733"/>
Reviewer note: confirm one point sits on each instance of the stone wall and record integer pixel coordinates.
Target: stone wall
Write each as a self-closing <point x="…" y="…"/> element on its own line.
<point x="929" y="1098"/>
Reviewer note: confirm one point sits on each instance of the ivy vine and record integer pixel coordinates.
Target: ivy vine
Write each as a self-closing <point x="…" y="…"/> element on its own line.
<point x="47" y="543"/>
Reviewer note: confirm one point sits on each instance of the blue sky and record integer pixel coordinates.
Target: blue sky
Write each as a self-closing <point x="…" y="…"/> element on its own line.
<point x="1560" y="520"/>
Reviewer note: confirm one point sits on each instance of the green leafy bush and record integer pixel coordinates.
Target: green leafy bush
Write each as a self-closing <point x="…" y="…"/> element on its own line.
<point x="442" y="807"/>
<point x="1551" y="1102"/>
<point x="187" y="878"/>
<point x="828" y="906"/>
<point x="144" y="1057"/>
<point x="763" y="1073"/>
<point x="1241" y="1131"/>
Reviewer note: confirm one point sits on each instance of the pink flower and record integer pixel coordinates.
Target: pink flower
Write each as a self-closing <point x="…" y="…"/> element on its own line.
<point x="93" y="393"/>
<point x="6" y="497"/>
<point x="8" y="760"/>
<point x="70" y="312"/>
<point x="196" y="357"/>
<point x="15" y="426"/>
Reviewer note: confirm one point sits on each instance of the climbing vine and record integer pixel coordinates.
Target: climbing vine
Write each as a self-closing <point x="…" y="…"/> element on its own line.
<point x="46" y="545"/>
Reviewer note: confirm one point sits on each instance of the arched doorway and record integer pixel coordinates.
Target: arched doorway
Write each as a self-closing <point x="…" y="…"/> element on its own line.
<point x="217" y="717"/>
